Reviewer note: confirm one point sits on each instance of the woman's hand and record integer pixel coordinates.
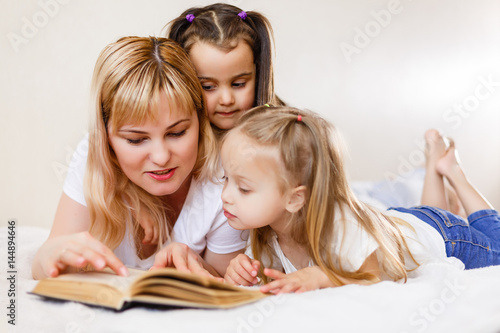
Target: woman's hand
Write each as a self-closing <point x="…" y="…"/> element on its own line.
<point x="63" y="253"/>
<point x="242" y="270"/>
<point x="183" y="258"/>
<point x="309" y="278"/>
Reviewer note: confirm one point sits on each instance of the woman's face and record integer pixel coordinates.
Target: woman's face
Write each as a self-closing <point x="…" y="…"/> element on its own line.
<point x="160" y="155"/>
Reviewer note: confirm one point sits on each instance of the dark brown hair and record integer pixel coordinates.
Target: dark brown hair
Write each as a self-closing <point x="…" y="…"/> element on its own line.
<point x="220" y="25"/>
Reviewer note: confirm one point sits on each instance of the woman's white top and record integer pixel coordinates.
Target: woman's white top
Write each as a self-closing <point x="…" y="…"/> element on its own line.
<point x="201" y="223"/>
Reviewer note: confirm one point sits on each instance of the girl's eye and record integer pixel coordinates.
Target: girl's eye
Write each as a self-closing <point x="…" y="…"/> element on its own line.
<point x="135" y="141"/>
<point x="208" y="87"/>
<point x="244" y="191"/>
<point x="177" y="134"/>
<point x="239" y="84"/>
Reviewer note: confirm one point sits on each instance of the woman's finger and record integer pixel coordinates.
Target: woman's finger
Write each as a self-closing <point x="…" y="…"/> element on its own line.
<point x="195" y="266"/>
<point x="179" y="257"/>
<point x="95" y="253"/>
<point x="71" y="258"/>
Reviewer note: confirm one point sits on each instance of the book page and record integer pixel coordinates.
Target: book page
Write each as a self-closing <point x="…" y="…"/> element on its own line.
<point x="107" y="277"/>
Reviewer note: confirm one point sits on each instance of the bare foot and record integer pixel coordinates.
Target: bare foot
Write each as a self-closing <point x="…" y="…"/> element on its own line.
<point x="449" y="163"/>
<point x="435" y="148"/>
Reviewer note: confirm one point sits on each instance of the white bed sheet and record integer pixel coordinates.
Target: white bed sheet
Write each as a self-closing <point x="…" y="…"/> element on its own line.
<point x="442" y="299"/>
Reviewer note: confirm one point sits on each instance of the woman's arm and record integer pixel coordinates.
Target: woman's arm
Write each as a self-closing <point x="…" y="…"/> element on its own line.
<point x="70" y="246"/>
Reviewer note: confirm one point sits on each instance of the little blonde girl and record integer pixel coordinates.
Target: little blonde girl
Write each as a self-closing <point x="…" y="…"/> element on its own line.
<point x="285" y="180"/>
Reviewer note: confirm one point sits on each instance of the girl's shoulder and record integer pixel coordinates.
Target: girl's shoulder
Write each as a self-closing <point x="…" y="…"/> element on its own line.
<point x="350" y="241"/>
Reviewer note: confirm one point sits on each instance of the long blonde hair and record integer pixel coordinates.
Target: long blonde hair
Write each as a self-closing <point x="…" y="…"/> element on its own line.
<point x="129" y="77"/>
<point x="311" y="154"/>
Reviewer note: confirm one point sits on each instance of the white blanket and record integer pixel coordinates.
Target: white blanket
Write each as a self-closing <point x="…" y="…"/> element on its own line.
<point x="442" y="299"/>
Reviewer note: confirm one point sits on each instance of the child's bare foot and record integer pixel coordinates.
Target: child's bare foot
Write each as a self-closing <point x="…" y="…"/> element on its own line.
<point x="435" y="148"/>
<point x="449" y="163"/>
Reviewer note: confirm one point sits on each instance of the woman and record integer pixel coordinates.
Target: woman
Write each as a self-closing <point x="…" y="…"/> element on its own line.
<point x="151" y="157"/>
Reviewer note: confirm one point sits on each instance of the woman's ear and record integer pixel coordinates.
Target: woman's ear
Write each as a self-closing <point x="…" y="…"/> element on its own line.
<point x="296" y="199"/>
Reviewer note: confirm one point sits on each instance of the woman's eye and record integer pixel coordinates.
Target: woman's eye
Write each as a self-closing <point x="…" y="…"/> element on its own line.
<point x="243" y="190"/>
<point x="134" y="141"/>
<point x="177" y="134"/>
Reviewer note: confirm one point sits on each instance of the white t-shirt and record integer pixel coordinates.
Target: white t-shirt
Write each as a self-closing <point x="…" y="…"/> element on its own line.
<point x="354" y="244"/>
<point x="201" y="223"/>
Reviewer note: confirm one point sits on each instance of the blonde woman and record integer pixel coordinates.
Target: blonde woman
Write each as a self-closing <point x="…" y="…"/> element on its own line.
<point x="151" y="159"/>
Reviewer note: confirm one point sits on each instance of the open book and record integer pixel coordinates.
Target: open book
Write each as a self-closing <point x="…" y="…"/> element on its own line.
<point x="166" y="286"/>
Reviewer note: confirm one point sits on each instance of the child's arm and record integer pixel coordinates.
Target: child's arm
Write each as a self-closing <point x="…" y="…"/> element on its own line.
<point x="311" y="278"/>
<point x="242" y="270"/>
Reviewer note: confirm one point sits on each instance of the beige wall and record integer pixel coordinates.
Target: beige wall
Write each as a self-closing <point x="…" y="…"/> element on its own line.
<point x="383" y="71"/>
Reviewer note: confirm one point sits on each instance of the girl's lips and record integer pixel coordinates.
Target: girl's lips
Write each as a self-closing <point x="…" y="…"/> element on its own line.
<point x="228" y="215"/>
<point x="162" y="175"/>
<point x="226" y="114"/>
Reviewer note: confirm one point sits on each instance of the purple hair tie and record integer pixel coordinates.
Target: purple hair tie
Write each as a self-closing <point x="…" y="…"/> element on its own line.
<point x="190" y="17"/>
<point x="243" y="15"/>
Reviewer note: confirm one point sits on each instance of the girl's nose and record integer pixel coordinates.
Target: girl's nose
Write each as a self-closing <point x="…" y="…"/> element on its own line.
<point x="226" y="196"/>
<point x="226" y="97"/>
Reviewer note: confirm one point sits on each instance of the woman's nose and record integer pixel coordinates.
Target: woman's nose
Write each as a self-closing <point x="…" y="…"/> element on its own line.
<point x="160" y="153"/>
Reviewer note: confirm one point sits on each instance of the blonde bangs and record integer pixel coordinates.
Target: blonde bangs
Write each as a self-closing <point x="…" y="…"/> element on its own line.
<point x="131" y="77"/>
<point x="136" y="99"/>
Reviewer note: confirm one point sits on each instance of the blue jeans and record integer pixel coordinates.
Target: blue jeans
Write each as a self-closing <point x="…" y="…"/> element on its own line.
<point x="476" y="243"/>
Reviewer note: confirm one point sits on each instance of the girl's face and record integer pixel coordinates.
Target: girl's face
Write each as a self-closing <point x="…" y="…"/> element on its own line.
<point x="159" y="156"/>
<point x="228" y="79"/>
<point x="252" y="196"/>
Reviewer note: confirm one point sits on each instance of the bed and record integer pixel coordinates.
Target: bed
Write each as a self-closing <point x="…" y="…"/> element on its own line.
<point x="441" y="299"/>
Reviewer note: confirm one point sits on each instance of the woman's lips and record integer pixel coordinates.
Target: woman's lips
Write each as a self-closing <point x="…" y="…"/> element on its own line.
<point x="162" y="175"/>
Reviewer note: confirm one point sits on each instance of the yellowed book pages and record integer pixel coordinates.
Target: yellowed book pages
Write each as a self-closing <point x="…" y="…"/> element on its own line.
<point x="166" y="286"/>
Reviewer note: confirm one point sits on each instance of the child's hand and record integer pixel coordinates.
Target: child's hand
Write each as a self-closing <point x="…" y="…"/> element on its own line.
<point x="309" y="278"/>
<point x="242" y="270"/>
<point x="151" y="233"/>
